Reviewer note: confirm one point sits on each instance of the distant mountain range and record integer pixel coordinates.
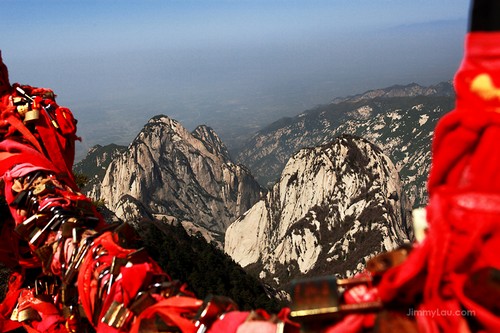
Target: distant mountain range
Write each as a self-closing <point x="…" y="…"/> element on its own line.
<point x="341" y="180"/>
<point x="409" y="90"/>
<point x="398" y="119"/>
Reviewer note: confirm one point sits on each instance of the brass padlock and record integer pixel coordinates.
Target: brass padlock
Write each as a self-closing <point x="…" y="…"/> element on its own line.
<point x="314" y="297"/>
<point x="32" y="116"/>
<point x="142" y="301"/>
<point x="15" y="313"/>
<point x="37" y="237"/>
<point x="74" y="265"/>
<point x="28" y="314"/>
<point x="117" y="315"/>
<point x="316" y="300"/>
<point x="26" y="228"/>
<point x="16" y="100"/>
<point x="44" y="188"/>
<point x="166" y="288"/>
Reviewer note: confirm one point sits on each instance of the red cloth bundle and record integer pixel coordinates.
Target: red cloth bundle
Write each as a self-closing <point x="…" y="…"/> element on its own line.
<point x="464" y="208"/>
<point x="465" y="150"/>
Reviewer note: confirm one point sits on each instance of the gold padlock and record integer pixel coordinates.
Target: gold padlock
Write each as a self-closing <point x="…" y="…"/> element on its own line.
<point x="44" y="188"/>
<point x="117" y="315"/>
<point x="31" y="116"/>
<point x="15" y="313"/>
<point x="28" y="314"/>
<point x="142" y="301"/>
<point x="319" y="299"/>
<point x="17" y="100"/>
<point x="27" y="229"/>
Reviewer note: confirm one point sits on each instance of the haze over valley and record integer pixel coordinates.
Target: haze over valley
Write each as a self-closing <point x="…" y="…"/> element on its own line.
<point x="235" y="66"/>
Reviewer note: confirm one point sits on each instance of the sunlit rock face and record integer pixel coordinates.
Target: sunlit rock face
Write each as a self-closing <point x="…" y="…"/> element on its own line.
<point x="334" y="207"/>
<point x="175" y="175"/>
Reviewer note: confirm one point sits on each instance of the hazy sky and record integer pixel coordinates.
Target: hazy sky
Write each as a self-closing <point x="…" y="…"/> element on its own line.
<point x="235" y="65"/>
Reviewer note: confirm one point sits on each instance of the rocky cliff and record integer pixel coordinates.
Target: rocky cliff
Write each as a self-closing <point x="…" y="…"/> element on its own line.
<point x="334" y="206"/>
<point x="170" y="174"/>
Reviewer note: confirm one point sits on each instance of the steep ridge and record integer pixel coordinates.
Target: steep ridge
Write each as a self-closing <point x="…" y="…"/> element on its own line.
<point x="409" y="90"/>
<point x="94" y="166"/>
<point x="172" y="175"/>
<point x="334" y="206"/>
<point x="401" y="125"/>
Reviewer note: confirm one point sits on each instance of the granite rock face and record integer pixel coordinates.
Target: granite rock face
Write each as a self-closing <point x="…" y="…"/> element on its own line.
<point x="171" y="174"/>
<point x="334" y="207"/>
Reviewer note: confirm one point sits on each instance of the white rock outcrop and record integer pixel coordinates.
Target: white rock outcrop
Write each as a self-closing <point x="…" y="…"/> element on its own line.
<point x="333" y="207"/>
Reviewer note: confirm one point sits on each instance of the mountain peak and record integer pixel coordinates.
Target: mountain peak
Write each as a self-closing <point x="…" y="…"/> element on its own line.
<point x="166" y="122"/>
<point x="178" y="175"/>
<point x="340" y="200"/>
<point x="164" y="119"/>
<point x="211" y="140"/>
